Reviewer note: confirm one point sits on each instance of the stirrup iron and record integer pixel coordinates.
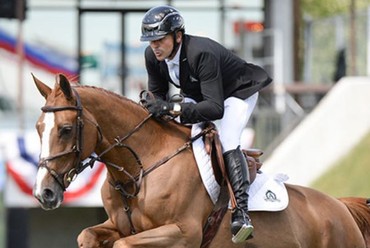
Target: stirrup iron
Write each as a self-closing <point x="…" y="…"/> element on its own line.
<point x="243" y="234"/>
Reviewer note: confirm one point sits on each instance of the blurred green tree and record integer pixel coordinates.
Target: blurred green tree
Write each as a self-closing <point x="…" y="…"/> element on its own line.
<point x="319" y="8"/>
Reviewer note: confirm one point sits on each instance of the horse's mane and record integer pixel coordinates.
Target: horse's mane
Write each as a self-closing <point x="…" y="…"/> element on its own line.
<point x="107" y="92"/>
<point x="360" y="210"/>
<point x="118" y="97"/>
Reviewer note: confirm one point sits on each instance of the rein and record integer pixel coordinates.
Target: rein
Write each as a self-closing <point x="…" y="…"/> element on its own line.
<point x="180" y="149"/>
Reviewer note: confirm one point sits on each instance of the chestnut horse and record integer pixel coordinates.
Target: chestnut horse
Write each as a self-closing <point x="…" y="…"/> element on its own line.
<point x="153" y="193"/>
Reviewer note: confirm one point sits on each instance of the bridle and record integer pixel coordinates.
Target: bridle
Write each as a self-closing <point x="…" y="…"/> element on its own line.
<point x="76" y="149"/>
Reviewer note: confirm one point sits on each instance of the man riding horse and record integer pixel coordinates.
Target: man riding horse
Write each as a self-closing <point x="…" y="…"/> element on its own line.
<point x="217" y="85"/>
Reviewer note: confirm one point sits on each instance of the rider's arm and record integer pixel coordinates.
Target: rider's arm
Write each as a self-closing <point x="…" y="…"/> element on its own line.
<point x="211" y="107"/>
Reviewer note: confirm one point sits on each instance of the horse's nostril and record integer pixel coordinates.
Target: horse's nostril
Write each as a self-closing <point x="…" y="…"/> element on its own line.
<point x="48" y="195"/>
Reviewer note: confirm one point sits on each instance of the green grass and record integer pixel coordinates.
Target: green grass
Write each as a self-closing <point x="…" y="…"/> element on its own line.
<point x="351" y="175"/>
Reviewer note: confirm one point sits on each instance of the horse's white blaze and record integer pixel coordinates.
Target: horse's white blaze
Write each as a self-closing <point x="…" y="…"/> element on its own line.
<point x="45" y="150"/>
<point x="41" y="173"/>
<point x="45" y="140"/>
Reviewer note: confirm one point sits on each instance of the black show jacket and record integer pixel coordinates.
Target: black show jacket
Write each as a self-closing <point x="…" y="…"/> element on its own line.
<point x="209" y="73"/>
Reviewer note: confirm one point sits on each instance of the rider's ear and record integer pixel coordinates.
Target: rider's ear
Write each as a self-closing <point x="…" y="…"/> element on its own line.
<point x="65" y="86"/>
<point x="179" y="36"/>
<point x="43" y="88"/>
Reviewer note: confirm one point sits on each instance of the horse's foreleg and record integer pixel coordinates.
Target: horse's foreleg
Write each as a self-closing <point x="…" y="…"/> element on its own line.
<point x="100" y="236"/>
<point x="165" y="236"/>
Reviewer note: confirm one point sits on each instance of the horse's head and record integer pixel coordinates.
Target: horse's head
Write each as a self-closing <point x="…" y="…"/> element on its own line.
<point x="65" y="140"/>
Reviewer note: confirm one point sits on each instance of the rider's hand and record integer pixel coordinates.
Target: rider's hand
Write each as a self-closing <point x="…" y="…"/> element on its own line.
<point x="159" y="108"/>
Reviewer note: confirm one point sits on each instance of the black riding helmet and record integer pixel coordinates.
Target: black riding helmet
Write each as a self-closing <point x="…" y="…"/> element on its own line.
<point x="160" y="21"/>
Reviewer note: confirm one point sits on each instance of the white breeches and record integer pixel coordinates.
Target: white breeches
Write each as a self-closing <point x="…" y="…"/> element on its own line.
<point x="236" y="116"/>
<point x="237" y="113"/>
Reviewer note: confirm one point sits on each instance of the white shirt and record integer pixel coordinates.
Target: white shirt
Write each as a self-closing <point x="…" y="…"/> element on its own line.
<point x="174" y="67"/>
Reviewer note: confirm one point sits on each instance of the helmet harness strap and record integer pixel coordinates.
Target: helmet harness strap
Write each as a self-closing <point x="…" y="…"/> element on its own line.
<point x="175" y="45"/>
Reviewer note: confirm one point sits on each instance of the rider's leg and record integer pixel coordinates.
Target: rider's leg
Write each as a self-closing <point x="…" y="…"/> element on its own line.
<point x="236" y="116"/>
<point x="236" y="165"/>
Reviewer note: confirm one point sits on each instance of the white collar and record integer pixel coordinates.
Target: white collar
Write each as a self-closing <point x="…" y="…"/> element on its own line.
<point x="176" y="59"/>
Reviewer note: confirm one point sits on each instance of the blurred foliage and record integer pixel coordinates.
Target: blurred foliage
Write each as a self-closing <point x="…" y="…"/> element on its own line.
<point x="319" y="8"/>
<point x="329" y="23"/>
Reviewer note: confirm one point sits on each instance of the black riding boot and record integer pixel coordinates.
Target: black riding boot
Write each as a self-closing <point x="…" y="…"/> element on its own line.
<point x="237" y="169"/>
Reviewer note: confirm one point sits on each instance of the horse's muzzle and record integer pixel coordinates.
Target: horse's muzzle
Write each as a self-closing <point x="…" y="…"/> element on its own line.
<point x="49" y="198"/>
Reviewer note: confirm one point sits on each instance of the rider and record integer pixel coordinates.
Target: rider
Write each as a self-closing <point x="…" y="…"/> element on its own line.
<point x="221" y="85"/>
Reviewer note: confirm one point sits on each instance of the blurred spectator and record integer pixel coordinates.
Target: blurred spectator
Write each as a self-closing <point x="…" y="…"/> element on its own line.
<point x="340" y="66"/>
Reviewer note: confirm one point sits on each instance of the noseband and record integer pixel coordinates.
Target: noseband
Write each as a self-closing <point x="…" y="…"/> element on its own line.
<point x="76" y="149"/>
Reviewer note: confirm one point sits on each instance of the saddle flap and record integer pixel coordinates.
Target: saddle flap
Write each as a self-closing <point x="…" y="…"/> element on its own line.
<point x="213" y="147"/>
<point x="209" y="157"/>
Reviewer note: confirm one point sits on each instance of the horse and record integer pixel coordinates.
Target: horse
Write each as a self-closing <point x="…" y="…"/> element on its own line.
<point x="153" y="194"/>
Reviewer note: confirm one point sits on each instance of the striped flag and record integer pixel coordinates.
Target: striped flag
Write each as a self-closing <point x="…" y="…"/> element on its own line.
<point x="20" y="157"/>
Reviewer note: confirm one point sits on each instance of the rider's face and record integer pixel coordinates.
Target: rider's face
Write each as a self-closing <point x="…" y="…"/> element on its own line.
<point x="162" y="48"/>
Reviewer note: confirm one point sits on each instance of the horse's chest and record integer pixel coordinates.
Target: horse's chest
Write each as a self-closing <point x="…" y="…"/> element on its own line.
<point x="143" y="212"/>
<point x="127" y="215"/>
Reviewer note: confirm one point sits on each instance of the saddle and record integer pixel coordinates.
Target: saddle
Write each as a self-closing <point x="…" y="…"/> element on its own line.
<point x="213" y="147"/>
<point x="254" y="163"/>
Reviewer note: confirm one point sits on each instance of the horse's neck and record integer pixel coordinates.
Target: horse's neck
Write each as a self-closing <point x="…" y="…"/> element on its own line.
<point x="118" y="117"/>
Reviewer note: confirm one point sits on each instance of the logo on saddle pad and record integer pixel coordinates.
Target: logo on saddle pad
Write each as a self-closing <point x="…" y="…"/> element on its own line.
<point x="271" y="196"/>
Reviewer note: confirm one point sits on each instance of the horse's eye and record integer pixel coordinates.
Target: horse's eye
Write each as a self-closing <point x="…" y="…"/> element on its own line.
<point x="65" y="131"/>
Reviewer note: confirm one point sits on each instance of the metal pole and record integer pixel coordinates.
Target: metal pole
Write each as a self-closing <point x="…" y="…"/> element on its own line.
<point x="123" y="55"/>
<point x="222" y="21"/>
<point x="20" y="53"/>
<point x="307" y="71"/>
<point x="17" y="219"/>
<point x="279" y="89"/>
<point x="353" y="45"/>
<point x="368" y="42"/>
<point x="79" y="41"/>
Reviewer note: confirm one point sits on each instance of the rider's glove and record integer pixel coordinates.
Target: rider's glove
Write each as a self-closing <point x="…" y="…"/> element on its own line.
<point x="159" y="108"/>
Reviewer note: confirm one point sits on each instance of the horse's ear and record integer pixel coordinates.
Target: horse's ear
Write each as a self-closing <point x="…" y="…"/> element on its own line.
<point x="43" y="88"/>
<point x="65" y="86"/>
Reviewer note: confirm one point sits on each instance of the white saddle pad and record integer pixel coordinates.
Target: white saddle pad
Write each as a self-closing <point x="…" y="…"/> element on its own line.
<point x="267" y="192"/>
<point x="205" y="165"/>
